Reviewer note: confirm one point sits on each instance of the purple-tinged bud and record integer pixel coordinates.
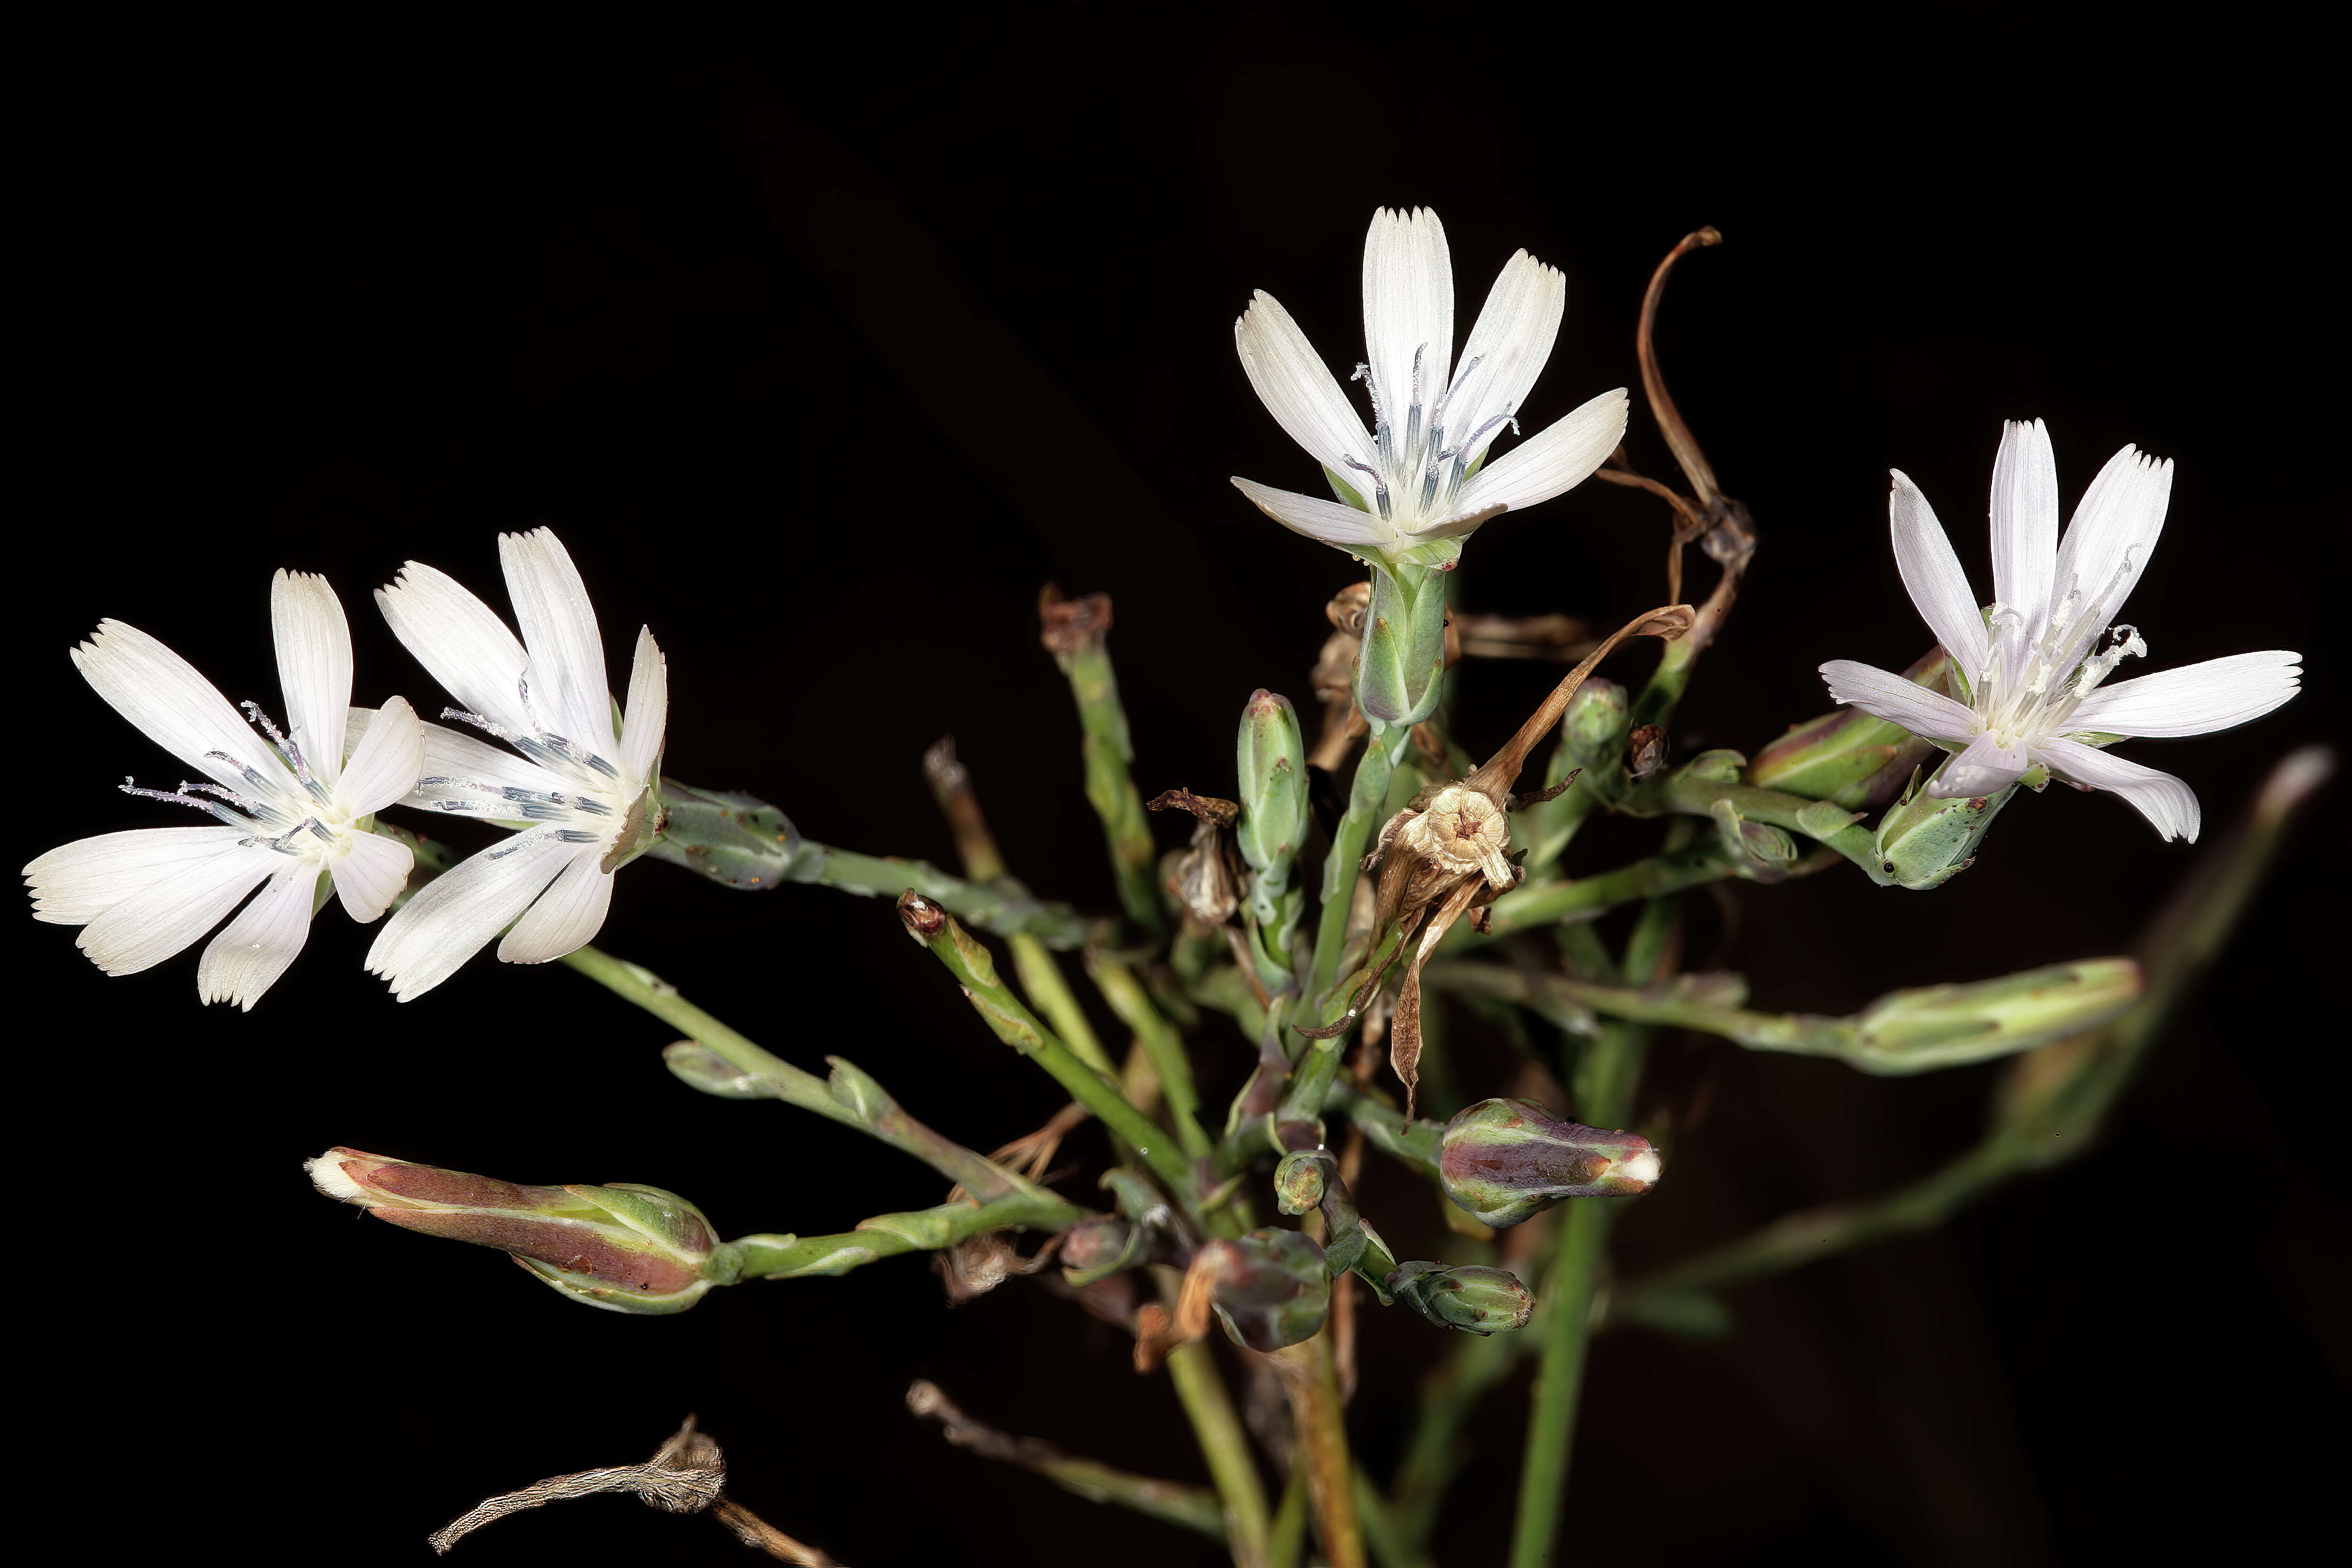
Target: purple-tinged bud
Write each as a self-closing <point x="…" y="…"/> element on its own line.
<point x="624" y="1247"/>
<point x="1509" y="1160"/>
<point x="1094" y="1250"/>
<point x="923" y="919"/>
<point x="1475" y="1300"/>
<point x="1270" y="1288"/>
<point x="1850" y="757"/>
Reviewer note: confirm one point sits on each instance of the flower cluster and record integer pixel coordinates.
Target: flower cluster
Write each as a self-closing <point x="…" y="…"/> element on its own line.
<point x="297" y="807"/>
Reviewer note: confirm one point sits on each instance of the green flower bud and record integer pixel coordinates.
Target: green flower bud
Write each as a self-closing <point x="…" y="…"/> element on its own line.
<point x="736" y="840"/>
<point x="624" y="1247"/>
<point x="1271" y="759"/>
<point x="1714" y="767"/>
<point x="1299" y="1181"/>
<point x="1475" y="1300"/>
<point x="1927" y="840"/>
<point x="1848" y="756"/>
<point x="1509" y="1160"/>
<point x="1269" y="1288"/>
<point x="1405" y="645"/>
<point x="1594" y="728"/>
<point x="1945" y="1025"/>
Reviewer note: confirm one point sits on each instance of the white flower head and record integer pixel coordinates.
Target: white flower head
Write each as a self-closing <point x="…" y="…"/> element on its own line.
<point x="584" y="796"/>
<point x="291" y="808"/>
<point x="2035" y="660"/>
<point x="1418" y="482"/>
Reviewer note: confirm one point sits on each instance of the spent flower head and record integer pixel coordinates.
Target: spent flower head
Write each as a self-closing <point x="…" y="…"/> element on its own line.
<point x="294" y="812"/>
<point x="2034" y="662"/>
<point x="1415" y="485"/>
<point x="582" y="796"/>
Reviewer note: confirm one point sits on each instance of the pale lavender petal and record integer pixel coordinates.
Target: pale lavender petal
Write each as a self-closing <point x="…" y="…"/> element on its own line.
<point x="2024" y="538"/>
<point x="647" y="709"/>
<point x="253" y="949"/>
<point x="1507" y="351"/>
<point x="163" y="916"/>
<point x="559" y="627"/>
<point x="1558" y="458"/>
<point x="454" y="916"/>
<point x="2164" y="800"/>
<point x="314" y="667"/>
<point x="1888" y="695"/>
<point x="1291" y="379"/>
<point x="460" y="640"/>
<point x="75" y="883"/>
<point x="2108" y="544"/>
<point x="1315" y="518"/>
<point x="1932" y="575"/>
<point x="2194" y="700"/>
<point x="566" y="917"/>
<point x="1408" y="311"/>
<point x="1984" y="767"/>
<point x="386" y="760"/>
<point x="455" y="754"/>
<point x="174" y="707"/>
<point x="371" y="874"/>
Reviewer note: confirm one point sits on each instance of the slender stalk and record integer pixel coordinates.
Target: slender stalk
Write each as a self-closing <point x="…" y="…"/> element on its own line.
<point x="1545" y="903"/>
<point x="2051" y="1102"/>
<point x="1041" y="977"/>
<point x="998" y="910"/>
<point x="1390" y="1548"/>
<point x="1341" y="865"/>
<point x="1438" y="1449"/>
<point x="1308" y="1379"/>
<point x="1224" y="1444"/>
<point x="1287" y="1544"/>
<point x="848" y="1097"/>
<point x="1174" y="1503"/>
<point x="1605" y="1083"/>
<point x="889" y="1235"/>
<point x="1796" y="1239"/>
<point x="1829" y="825"/>
<point x="974" y="970"/>
<point x="1160" y="1042"/>
<point x="1385" y="1129"/>
<point x="1074" y="634"/>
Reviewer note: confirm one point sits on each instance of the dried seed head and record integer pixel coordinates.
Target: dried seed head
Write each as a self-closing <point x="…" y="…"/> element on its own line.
<point x="1462" y="831"/>
<point x="1069" y="626"/>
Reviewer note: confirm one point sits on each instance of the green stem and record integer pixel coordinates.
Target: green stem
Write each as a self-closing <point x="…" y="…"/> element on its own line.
<point x="1605" y="1085"/>
<point x="1041" y="977"/>
<point x="1831" y="826"/>
<point x="1173" y="1502"/>
<point x="1340" y="870"/>
<point x="1318" y="1068"/>
<point x="1108" y="749"/>
<point x="1160" y="1042"/>
<point x="1000" y="910"/>
<point x="1385" y="1129"/>
<point x="1438" y="1449"/>
<point x="889" y="1235"/>
<point x="1389" y="1545"/>
<point x="1799" y="1238"/>
<point x="1193" y="1369"/>
<point x="848" y="1097"/>
<point x="1286" y="1543"/>
<point x="1313" y="1386"/>
<point x="1544" y="903"/>
<point x="975" y="970"/>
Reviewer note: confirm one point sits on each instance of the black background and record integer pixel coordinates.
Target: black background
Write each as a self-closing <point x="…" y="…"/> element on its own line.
<point x="822" y="351"/>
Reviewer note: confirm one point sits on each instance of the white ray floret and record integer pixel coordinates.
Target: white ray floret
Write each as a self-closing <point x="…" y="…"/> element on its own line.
<point x="2035" y="660"/>
<point x="1418" y="481"/>
<point x="583" y="796"/>
<point x="291" y="807"/>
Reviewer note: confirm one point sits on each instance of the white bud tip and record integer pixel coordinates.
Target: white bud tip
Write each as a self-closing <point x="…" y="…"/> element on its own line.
<point x="327" y="1174"/>
<point x="1642" y="1167"/>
